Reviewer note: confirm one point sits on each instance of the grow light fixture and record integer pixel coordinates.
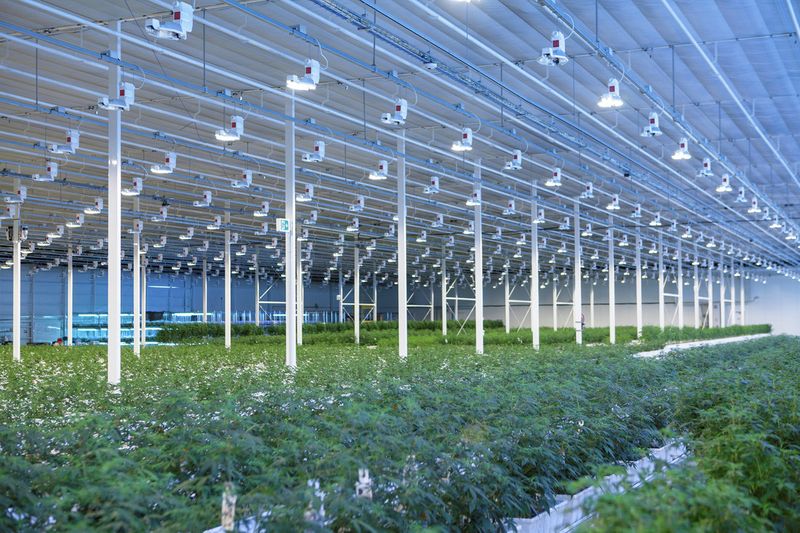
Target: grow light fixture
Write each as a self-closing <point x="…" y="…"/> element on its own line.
<point x="73" y="143"/>
<point x="563" y="248"/>
<point x="380" y="173"/>
<point x="358" y="205"/>
<point x="273" y="244"/>
<point x="555" y="178"/>
<point x="307" y="195"/>
<point x="233" y="132"/>
<point x="215" y="224"/>
<point x="242" y="250"/>
<point x="652" y="250"/>
<point x="245" y="182"/>
<point x="317" y="155"/>
<point x="624" y="242"/>
<point x="588" y="191"/>
<point x="389" y="232"/>
<point x="775" y="223"/>
<point x="706" y="170"/>
<point x="264" y="229"/>
<point x="556" y="53"/>
<point x="354" y="226"/>
<point x="711" y="243"/>
<point x="470" y="229"/>
<point x="516" y="161"/>
<point x="161" y="242"/>
<point x="754" y="206"/>
<point x="656" y="222"/>
<point x="167" y="166"/>
<point x="18" y="197"/>
<point x="741" y="198"/>
<point x="51" y="173"/>
<point x="652" y="129"/>
<point x="433" y="188"/>
<point x="682" y="153"/>
<point x="725" y="185"/>
<point x="587" y="232"/>
<point x="687" y="234"/>
<point x="77" y="222"/>
<point x="539" y="217"/>
<point x="312" y="218"/>
<point x="451" y="242"/>
<point x="511" y="207"/>
<point x="97" y="246"/>
<point x="475" y="199"/>
<point x="791" y="236"/>
<point x="521" y="240"/>
<point x="95" y="209"/>
<point x="398" y="117"/>
<point x="262" y="211"/>
<point x="205" y="201"/>
<point x="308" y="81"/>
<point x="438" y="221"/>
<point x="614" y="204"/>
<point x="122" y="102"/>
<point x="203" y="247"/>
<point x="188" y="235"/>
<point x="637" y="211"/>
<point x="465" y="143"/>
<point x="45" y="243"/>
<point x="423" y="237"/>
<point x="184" y="252"/>
<point x="611" y="98"/>
<point x="565" y="225"/>
<point x="176" y="29"/>
<point x="162" y="214"/>
<point x="595" y="255"/>
<point x="136" y="187"/>
<point x="57" y="234"/>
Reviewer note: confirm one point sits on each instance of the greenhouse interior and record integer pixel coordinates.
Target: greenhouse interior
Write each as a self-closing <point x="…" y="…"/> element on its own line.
<point x="399" y="265"/>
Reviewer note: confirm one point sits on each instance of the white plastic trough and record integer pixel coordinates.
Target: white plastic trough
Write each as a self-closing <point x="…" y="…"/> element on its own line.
<point x="699" y="344"/>
<point x="569" y="511"/>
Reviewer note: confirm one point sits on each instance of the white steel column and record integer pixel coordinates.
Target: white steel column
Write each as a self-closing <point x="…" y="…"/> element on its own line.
<point x="205" y="291"/>
<point x="733" y="293"/>
<point x="478" y="263"/>
<point x="554" y="283"/>
<point x="114" y="214"/>
<point x="591" y="304"/>
<point x="356" y="295"/>
<point x="696" y="295"/>
<point x="433" y="303"/>
<point x="227" y="280"/>
<point x="534" y="311"/>
<point x="402" y="263"/>
<point x="341" y="297"/>
<point x="137" y="294"/>
<point x="374" y="297"/>
<point x="639" y="315"/>
<point x="444" y="294"/>
<point x="70" y="299"/>
<point x="741" y="296"/>
<point x="577" y="296"/>
<point x="506" y="302"/>
<point x="16" y="311"/>
<point x="291" y="237"/>
<point x="143" y="328"/>
<point x="301" y="310"/>
<point x="612" y="301"/>
<point x="680" y="285"/>
<point x="722" y="318"/>
<point x="661" y="315"/>
<point x="710" y="293"/>
<point x="257" y="287"/>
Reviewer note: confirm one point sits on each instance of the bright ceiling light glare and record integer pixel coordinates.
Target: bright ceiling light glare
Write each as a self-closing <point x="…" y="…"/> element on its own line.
<point x="381" y="173"/>
<point x="308" y="81"/>
<point x="611" y="98"/>
<point x="682" y="153"/>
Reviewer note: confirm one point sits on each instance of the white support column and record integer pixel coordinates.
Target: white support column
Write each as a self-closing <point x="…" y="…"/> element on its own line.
<point x="257" y="288"/>
<point x="137" y="291"/>
<point x="227" y="280"/>
<point x="374" y="297"/>
<point x="205" y="291"/>
<point x="696" y="296"/>
<point x="114" y="214"/>
<point x="577" y="296"/>
<point x="591" y="304"/>
<point x="554" y="283"/>
<point x="661" y="313"/>
<point x="402" y="260"/>
<point x="341" y="297"/>
<point x="70" y="297"/>
<point x="291" y="237"/>
<point x="710" y="293"/>
<point x="741" y="296"/>
<point x="301" y="306"/>
<point x="506" y="302"/>
<point x="612" y="296"/>
<point x="143" y="328"/>
<point x="433" y="303"/>
<point x="534" y="310"/>
<point x="16" y="306"/>
<point x="680" y="285"/>
<point x="356" y="295"/>
<point x="733" y="320"/>
<point x="722" y="318"/>
<point x="444" y="294"/>
<point x="478" y="265"/>
<point x="639" y="314"/>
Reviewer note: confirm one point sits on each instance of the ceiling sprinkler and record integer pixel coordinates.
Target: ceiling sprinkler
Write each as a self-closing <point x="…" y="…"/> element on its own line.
<point x="309" y="80"/>
<point x="51" y="173"/>
<point x="398" y="117"/>
<point x="682" y="153"/>
<point x="167" y="166"/>
<point x="232" y="133"/>
<point x="611" y="99"/>
<point x="706" y="170"/>
<point x="555" y="178"/>
<point x="556" y="54"/>
<point x="511" y="207"/>
<point x="316" y="156"/>
<point x="516" y="161"/>
<point x="307" y="195"/>
<point x="176" y="29"/>
<point x="124" y="100"/>
<point x="245" y="182"/>
<point x="725" y="185"/>
<point x="136" y="187"/>
<point x="465" y="143"/>
<point x="73" y="143"/>
<point x="358" y="205"/>
<point x="652" y="129"/>
<point x="380" y="173"/>
<point x="433" y="188"/>
<point x="205" y="201"/>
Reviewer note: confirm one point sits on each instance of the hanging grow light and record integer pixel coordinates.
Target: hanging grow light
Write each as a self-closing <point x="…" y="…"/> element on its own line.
<point x="637" y="211"/>
<point x="358" y="205"/>
<point x="95" y="209"/>
<point x="555" y="178"/>
<point x="307" y="195"/>
<point x="711" y="243"/>
<point x="423" y="237"/>
<point x="588" y="190"/>
<point x="353" y="227"/>
<point x="475" y="199"/>
<point x="656" y="222"/>
<point x="398" y="117"/>
<point x="741" y="198"/>
<point x="438" y="221"/>
<point x="381" y="173"/>
<point x="76" y="222"/>
<point x="135" y="188"/>
<point x="188" y="235"/>
<point x="611" y="98"/>
<point x="706" y="170"/>
<point x="754" y="206"/>
<point x="318" y="155"/>
<point x="433" y="188"/>
<point x="725" y="185"/>
<point x="263" y="210"/>
<point x="233" y="132"/>
<point x="216" y="223"/>
<point x="264" y="229"/>
<point x="176" y="29"/>
<point x="162" y="242"/>
<point x="122" y="102"/>
<point x="539" y="217"/>
<point x="389" y="233"/>
<point x="205" y="201"/>
<point x="308" y="81"/>
<point x="516" y="161"/>
<point x="556" y="53"/>
<point x="51" y="173"/>
<point x="614" y="204"/>
<point x="687" y="234"/>
<point x="162" y="214"/>
<point x="470" y="229"/>
<point x="652" y="129"/>
<point x="312" y="218"/>
<point x="587" y="232"/>
<point x="682" y="153"/>
<point x="245" y="181"/>
<point x="624" y="242"/>
<point x="775" y="223"/>
<point x="73" y="143"/>
<point x="465" y="143"/>
<point x="511" y="207"/>
<point x="167" y="166"/>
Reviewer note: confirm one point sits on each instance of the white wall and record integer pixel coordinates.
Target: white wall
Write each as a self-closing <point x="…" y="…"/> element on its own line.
<point x="777" y="302"/>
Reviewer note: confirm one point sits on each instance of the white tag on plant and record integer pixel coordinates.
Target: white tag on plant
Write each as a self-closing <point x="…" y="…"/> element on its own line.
<point x="228" y="507"/>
